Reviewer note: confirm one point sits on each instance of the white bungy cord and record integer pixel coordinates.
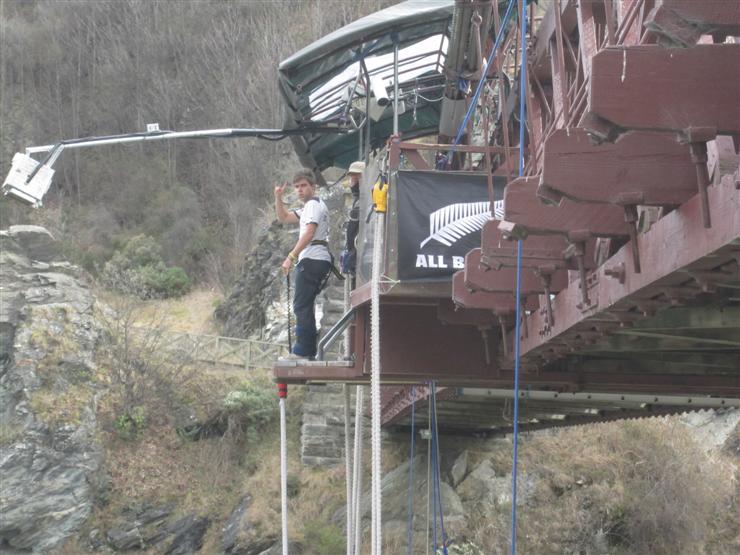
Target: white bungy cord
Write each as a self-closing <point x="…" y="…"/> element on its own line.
<point x="284" y="475"/>
<point x="377" y="512"/>
<point x="357" y="470"/>
<point x="348" y="466"/>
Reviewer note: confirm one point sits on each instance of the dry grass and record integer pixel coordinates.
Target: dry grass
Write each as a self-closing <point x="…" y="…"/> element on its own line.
<point x="628" y="487"/>
<point x="192" y="313"/>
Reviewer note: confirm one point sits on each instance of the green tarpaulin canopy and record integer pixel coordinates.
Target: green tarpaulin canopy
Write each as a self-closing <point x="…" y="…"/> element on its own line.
<point x="320" y="83"/>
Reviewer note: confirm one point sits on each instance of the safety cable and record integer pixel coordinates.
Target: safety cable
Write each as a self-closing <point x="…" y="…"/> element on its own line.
<point x="517" y="340"/>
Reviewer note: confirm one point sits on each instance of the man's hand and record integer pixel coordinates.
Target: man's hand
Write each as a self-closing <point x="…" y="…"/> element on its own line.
<point x="286" y="265"/>
<point x="279" y="190"/>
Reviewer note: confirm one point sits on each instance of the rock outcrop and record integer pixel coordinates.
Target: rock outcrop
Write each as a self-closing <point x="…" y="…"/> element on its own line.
<point x="257" y="302"/>
<point x="48" y="392"/>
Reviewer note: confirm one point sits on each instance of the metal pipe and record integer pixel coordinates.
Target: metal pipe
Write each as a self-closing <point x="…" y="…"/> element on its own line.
<point x="335" y="332"/>
<point x="395" y="88"/>
<point x="166" y="135"/>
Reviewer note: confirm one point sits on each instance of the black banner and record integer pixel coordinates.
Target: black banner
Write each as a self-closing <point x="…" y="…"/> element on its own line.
<point x="440" y="215"/>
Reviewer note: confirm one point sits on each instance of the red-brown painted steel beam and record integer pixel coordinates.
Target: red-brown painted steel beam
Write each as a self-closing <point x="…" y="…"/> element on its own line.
<point x="677" y="249"/>
<point x="538" y="251"/>
<point x="524" y="208"/>
<point x="641" y="168"/>
<point x="654" y="88"/>
<point x="682" y="22"/>
<point x="449" y="313"/>
<point x="498" y="303"/>
<point x="503" y="280"/>
<point x="543" y="47"/>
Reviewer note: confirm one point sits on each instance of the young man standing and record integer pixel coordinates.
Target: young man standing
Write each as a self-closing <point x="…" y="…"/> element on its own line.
<point x="310" y="255"/>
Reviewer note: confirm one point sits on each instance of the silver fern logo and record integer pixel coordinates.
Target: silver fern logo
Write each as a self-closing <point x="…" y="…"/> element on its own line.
<point x="451" y="223"/>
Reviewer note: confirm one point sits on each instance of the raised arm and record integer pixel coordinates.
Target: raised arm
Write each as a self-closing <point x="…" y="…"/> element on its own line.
<point x="282" y="214"/>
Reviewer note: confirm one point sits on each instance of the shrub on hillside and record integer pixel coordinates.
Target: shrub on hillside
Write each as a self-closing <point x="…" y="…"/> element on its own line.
<point x="252" y="407"/>
<point x="139" y="270"/>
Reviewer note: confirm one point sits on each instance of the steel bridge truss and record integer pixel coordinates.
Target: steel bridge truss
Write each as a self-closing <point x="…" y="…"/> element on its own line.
<point x="629" y="212"/>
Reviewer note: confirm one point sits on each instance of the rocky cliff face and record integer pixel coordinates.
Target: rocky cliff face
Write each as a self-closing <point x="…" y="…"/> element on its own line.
<point x="48" y="389"/>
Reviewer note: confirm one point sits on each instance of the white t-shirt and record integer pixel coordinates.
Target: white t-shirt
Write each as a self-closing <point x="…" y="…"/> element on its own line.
<point x="315" y="212"/>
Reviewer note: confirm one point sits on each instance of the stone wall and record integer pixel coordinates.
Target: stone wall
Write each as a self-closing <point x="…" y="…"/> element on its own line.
<point x="322" y="427"/>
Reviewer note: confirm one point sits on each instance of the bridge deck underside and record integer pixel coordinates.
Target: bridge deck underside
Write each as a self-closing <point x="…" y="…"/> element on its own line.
<point x="472" y="411"/>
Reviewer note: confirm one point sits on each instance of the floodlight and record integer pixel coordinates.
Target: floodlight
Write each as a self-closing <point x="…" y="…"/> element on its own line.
<point x="28" y="180"/>
<point x="377" y="86"/>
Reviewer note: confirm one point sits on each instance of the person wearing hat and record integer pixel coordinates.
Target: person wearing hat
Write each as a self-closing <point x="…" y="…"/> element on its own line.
<point x="348" y="259"/>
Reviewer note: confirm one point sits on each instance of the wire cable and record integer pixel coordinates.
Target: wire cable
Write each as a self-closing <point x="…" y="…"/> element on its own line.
<point x="517" y="339"/>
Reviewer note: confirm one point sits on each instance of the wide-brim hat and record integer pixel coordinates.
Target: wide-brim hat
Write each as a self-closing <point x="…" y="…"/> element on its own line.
<point x="356" y="167"/>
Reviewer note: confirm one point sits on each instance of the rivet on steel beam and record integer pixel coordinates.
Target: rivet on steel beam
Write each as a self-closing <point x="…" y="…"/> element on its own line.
<point x="617" y="272"/>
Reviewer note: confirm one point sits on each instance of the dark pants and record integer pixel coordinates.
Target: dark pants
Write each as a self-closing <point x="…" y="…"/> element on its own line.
<point x="309" y="275"/>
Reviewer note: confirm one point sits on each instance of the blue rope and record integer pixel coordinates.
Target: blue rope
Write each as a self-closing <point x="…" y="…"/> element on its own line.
<point x="479" y="88"/>
<point x="522" y="125"/>
<point x="432" y="439"/>
<point x="410" y="532"/>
